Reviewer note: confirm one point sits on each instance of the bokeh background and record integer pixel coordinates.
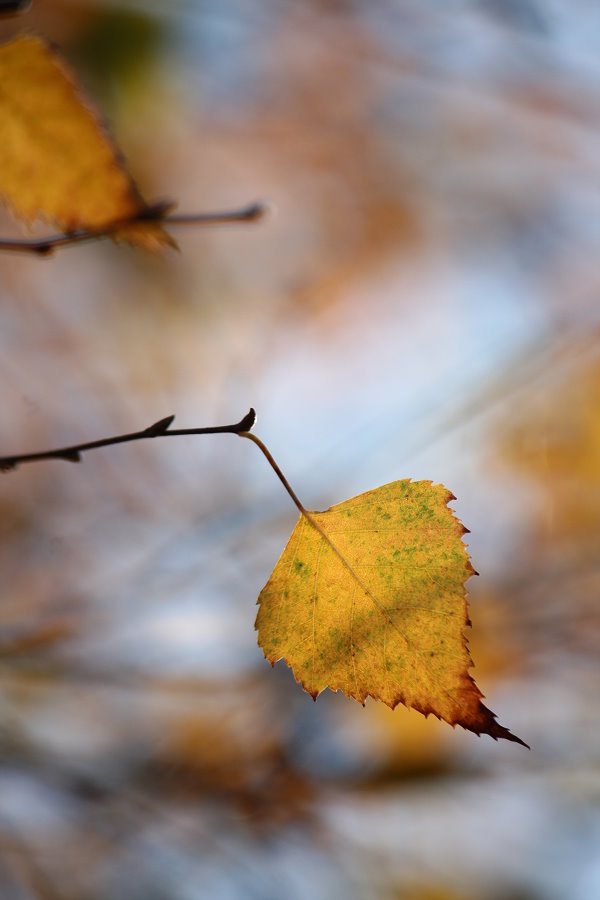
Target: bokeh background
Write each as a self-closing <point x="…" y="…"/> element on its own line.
<point x="423" y="303"/>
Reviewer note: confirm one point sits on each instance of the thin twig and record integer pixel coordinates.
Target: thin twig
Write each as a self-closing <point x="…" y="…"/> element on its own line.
<point x="156" y="213"/>
<point x="250" y="213"/>
<point x="159" y="429"/>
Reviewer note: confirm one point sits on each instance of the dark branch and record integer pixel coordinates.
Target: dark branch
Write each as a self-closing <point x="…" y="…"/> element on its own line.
<point x="251" y="213"/>
<point x="156" y="213"/>
<point x="159" y="429"/>
<point x="13" y="7"/>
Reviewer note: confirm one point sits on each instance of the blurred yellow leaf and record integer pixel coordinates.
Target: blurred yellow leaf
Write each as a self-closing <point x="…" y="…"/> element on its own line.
<point x="555" y="439"/>
<point x="368" y="598"/>
<point x="57" y="161"/>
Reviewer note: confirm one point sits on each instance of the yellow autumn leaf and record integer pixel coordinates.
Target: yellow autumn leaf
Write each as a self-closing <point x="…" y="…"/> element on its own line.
<point x="57" y="161"/>
<point x="368" y="598"/>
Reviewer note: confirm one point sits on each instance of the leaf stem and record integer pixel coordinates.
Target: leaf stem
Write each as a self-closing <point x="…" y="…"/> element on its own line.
<point x="156" y="213"/>
<point x="158" y="429"/>
<point x="267" y="453"/>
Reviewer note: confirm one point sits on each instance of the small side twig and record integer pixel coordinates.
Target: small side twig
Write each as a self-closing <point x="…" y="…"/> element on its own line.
<point x="158" y="213"/>
<point x="158" y="429"/>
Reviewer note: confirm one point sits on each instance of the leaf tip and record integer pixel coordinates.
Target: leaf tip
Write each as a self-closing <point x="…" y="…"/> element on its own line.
<point x="470" y="568"/>
<point x="313" y="692"/>
<point x="484" y="721"/>
<point x="505" y="734"/>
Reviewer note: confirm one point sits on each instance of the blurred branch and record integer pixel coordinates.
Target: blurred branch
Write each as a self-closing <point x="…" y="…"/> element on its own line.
<point x="13" y="7"/>
<point x="156" y="213"/>
<point x="159" y="429"/>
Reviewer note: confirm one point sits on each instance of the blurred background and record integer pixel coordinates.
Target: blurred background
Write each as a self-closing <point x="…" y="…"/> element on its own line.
<point x="424" y="304"/>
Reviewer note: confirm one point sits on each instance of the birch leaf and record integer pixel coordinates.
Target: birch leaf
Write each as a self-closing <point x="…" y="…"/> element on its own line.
<point x="368" y="598"/>
<point x="57" y="160"/>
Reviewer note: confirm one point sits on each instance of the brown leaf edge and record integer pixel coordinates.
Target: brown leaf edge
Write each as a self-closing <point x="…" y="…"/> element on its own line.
<point x="485" y="721"/>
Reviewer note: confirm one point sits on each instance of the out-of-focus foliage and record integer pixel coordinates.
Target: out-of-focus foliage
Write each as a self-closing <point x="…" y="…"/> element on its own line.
<point x="433" y="167"/>
<point x="56" y="160"/>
